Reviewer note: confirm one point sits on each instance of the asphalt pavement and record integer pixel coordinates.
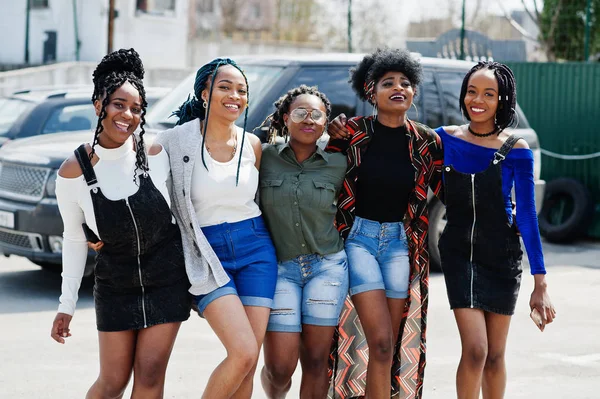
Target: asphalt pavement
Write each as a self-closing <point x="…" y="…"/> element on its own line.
<point x="562" y="362"/>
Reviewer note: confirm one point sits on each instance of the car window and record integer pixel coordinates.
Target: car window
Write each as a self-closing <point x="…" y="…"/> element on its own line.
<point x="334" y="83"/>
<point x="10" y="110"/>
<point x="451" y="83"/>
<point x="430" y="109"/>
<point x="70" y="118"/>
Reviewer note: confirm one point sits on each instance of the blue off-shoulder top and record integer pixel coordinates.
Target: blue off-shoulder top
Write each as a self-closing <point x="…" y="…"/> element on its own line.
<point x="517" y="170"/>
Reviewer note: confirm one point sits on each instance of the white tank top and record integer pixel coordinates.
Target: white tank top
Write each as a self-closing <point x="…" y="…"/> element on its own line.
<point x="215" y="196"/>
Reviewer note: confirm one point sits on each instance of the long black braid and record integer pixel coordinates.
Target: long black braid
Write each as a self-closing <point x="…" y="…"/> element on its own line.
<point x="282" y="107"/>
<point x="193" y="107"/>
<point x="111" y="73"/>
<point x="507" y="92"/>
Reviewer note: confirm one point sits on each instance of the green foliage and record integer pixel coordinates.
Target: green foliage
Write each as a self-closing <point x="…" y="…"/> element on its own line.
<point x="562" y="28"/>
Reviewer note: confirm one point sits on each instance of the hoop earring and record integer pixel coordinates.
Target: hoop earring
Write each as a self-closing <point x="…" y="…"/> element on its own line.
<point x="416" y="109"/>
<point x="205" y="104"/>
<point x="374" y="114"/>
<point x="516" y="117"/>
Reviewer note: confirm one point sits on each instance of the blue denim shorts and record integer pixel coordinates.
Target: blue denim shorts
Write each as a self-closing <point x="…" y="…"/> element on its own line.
<point x="378" y="258"/>
<point x="248" y="256"/>
<point x="311" y="289"/>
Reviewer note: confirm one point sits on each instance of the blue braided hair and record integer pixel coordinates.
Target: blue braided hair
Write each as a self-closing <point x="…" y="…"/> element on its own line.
<point x="192" y="108"/>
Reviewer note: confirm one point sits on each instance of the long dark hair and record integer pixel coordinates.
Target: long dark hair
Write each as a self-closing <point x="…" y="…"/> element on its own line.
<point x="193" y="108"/>
<point x="111" y="73"/>
<point x="507" y="92"/>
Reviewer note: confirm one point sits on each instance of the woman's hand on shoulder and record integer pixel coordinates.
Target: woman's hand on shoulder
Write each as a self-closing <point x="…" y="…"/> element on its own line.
<point x="337" y="129"/>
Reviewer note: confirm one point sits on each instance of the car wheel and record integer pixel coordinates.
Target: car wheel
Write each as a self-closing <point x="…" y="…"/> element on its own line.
<point x="437" y="223"/>
<point x="567" y="210"/>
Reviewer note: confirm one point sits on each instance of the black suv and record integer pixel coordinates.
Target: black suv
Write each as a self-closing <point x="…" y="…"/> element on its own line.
<point x="30" y="224"/>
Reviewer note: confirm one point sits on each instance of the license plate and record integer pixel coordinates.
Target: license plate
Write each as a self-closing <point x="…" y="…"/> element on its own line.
<point x="7" y="219"/>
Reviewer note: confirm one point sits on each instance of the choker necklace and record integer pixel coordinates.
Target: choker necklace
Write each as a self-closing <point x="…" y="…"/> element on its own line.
<point x="482" y="134"/>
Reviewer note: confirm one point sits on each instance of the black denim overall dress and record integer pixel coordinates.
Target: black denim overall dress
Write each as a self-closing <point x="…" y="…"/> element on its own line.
<point x="140" y="272"/>
<point x="479" y="249"/>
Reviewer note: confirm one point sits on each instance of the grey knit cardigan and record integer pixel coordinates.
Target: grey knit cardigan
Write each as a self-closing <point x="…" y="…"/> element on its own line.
<point x="203" y="268"/>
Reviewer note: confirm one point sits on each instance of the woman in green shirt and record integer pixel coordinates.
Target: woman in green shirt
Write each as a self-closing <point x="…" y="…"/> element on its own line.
<point x="299" y="183"/>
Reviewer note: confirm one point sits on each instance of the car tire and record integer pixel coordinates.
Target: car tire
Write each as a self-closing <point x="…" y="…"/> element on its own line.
<point x="567" y="210"/>
<point x="437" y="223"/>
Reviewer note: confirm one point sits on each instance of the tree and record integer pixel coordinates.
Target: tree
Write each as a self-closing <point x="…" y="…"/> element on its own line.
<point x="562" y="28"/>
<point x="375" y="23"/>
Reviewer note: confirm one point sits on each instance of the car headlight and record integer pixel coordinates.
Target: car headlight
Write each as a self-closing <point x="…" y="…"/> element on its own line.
<point x="51" y="184"/>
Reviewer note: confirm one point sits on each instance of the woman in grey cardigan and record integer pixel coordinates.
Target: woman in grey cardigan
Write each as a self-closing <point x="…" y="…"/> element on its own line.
<point x="230" y="258"/>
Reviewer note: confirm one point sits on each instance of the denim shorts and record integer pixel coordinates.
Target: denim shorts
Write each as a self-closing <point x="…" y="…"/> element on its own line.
<point x="248" y="256"/>
<point x="378" y="258"/>
<point x="311" y="289"/>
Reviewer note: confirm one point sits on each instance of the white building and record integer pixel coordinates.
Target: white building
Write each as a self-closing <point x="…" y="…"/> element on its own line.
<point x="157" y="29"/>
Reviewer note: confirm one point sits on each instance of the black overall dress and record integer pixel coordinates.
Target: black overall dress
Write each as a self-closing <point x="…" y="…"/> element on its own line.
<point x="479" y="249"/>
<point x="140" y="271"/>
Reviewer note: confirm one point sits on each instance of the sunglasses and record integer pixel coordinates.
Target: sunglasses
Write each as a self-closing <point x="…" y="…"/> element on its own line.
<point x="300" y="114"/>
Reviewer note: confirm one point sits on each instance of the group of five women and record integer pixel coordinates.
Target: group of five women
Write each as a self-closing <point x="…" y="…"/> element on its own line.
<point x="292" y="247"/>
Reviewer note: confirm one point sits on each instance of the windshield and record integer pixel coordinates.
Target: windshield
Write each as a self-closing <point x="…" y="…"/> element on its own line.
<point x="10" y="110"/>
<point x="260" y="78"/>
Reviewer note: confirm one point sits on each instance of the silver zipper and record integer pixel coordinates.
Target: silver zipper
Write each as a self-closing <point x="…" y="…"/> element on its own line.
<point x="472" y="232"/>
<point x="137" y="234"/>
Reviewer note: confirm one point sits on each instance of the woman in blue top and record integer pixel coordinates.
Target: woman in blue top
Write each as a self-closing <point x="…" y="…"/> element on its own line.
<point x="480" y="248"/>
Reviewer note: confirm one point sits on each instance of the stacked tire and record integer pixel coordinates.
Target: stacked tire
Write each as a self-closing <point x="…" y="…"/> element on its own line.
<point x="567" y="211"/>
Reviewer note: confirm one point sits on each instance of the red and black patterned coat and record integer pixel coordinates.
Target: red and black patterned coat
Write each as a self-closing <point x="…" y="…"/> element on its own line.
<point x="348" y="360"/>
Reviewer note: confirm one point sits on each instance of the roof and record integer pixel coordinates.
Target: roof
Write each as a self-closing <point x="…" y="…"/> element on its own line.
<point x="41" y="93"/>
<point x="339" y="58"/>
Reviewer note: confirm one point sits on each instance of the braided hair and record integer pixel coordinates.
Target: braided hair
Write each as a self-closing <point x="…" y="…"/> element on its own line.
<point x="193" y="108"/>
<point x="372" y="67"/>
<point x="282" y="107"/>
<point x="507" y="92"/>
<point x="111" y="73"/>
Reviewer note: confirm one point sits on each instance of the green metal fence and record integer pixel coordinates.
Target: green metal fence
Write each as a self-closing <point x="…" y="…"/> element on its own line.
<point x="562" y="103"/>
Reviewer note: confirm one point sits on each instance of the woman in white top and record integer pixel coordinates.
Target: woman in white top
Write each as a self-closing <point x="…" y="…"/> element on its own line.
<point x="214" y="167"/>
<point x="108" y="191"/>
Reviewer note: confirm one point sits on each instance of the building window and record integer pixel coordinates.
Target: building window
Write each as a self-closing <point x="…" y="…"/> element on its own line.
<point x="38" y="3"/>
<point x="255" y="11"/>
<point x="156" y="7"/>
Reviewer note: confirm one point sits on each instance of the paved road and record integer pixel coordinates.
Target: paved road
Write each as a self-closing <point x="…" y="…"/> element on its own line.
<point x="563" y="362"/>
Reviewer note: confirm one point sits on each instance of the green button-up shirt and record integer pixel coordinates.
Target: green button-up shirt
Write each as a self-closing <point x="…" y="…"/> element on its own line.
<point x="298" y="200"/>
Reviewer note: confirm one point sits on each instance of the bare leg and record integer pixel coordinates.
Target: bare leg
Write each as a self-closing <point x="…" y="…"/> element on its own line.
<point x="152" y="353"/>
<point x="228" y="319"/>
<point x="259" y="318"/>
<point x="473" y="337"/>
<point x="281" y="357"/>
<point x="314" y="358"/>
<point x="116" y="362"/>
<point x="374" y="315"/>
<point x="494" y="372"/>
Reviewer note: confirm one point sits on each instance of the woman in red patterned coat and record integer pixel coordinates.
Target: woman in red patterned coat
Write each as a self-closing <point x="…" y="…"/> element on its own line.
<point x="382" y="214"/>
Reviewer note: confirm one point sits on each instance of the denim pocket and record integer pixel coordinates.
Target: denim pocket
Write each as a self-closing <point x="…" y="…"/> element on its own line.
<point x="261" y="231"/>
